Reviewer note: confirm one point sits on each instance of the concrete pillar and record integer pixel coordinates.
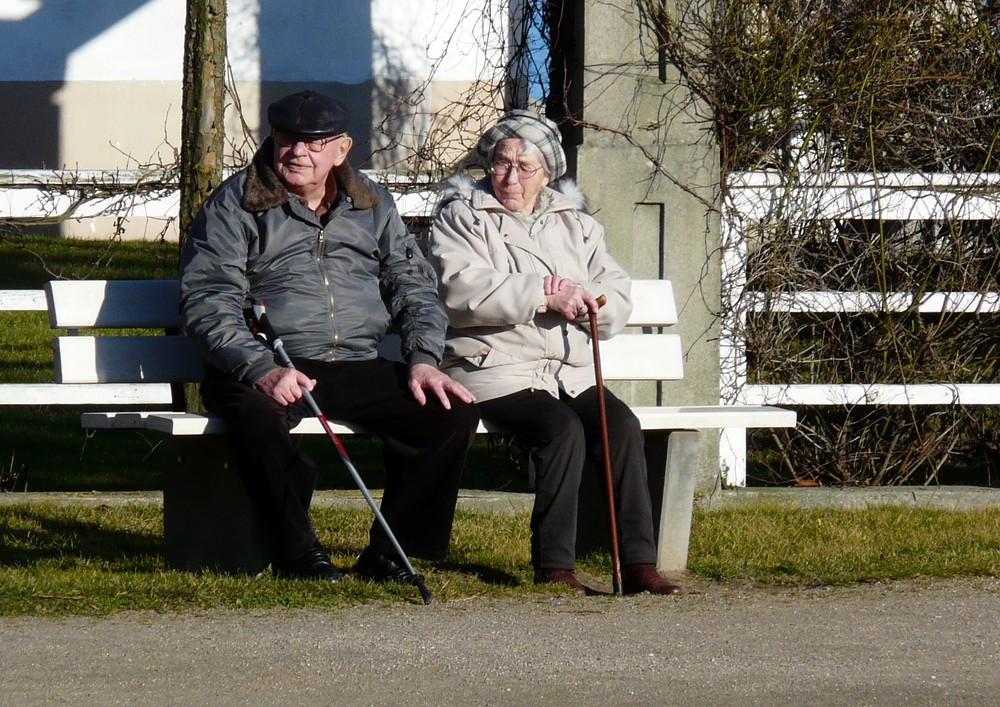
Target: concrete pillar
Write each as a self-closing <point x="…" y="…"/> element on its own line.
<point x="658" y="198"/>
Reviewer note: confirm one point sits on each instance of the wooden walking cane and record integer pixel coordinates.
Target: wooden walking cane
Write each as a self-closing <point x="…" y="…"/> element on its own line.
<point x="602" y="409"/>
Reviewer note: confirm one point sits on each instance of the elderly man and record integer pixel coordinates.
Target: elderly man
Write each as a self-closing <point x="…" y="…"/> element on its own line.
<point x="324" y="247"/>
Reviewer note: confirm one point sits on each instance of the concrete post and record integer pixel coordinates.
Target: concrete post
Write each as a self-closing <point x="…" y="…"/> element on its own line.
<point x="657" y="193"/>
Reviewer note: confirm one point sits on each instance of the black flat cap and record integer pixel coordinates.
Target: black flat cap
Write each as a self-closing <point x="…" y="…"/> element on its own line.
<point x="308" y="113"/>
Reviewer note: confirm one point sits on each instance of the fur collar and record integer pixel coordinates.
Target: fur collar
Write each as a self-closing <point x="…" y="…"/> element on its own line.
<point x="264" y="190"/>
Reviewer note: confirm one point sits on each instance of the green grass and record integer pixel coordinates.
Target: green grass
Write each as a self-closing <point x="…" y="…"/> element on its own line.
<point x="28" y="261"/>
<point x="79" y="559"/>
<point x="99" y="560"/>
<point x="782" y="545"/>
<point x="57" y="560"/>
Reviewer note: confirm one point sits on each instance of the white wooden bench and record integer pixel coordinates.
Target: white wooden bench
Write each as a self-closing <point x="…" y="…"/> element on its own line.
<point x="204" y="511"/>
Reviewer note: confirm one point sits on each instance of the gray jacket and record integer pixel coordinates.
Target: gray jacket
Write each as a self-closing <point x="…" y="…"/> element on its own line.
<point x="333" y="285"/>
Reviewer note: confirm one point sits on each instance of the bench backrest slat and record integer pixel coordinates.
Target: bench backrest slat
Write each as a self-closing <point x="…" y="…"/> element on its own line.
<point x="642" y="358"/>
<point x="22" y="300"/>
<point x="116" y="394"/>
<point x="169" y="359"/>
<point x="127" y="359"/>
<point x="153" y="304"/>
<point x="652" y="303"/>
<point x="81" y="304"/>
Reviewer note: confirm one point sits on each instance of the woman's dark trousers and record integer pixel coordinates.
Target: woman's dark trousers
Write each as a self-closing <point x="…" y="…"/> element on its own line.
<point x="561" y="434"/>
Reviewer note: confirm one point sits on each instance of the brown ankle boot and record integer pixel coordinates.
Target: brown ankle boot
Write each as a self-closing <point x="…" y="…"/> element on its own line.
<point x="556" y="575"/>
<point x="644" y="578"/>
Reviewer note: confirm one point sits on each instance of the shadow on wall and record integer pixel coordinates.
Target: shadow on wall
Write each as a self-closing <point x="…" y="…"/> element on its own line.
<point x="312" y="43"/>
<point x="33" y="64"/>
<point x="329" y="47"/>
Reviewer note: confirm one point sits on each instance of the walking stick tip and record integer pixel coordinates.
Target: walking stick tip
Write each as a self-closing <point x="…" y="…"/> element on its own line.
<point x="425" y="593"/>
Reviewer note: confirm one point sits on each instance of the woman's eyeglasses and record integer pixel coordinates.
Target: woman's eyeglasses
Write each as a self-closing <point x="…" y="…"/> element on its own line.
<point x="524" y="171"/>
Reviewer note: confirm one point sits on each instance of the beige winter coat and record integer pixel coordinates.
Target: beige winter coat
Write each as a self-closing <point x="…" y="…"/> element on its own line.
<point x="491" y="268"/>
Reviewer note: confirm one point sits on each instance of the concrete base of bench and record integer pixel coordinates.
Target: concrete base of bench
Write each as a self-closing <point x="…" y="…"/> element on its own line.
<point x="671" y="461"/>
<point x="208" y="522"/>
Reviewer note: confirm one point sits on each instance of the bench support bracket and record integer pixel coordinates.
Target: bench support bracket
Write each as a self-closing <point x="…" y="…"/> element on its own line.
<point x="678" y="502"/>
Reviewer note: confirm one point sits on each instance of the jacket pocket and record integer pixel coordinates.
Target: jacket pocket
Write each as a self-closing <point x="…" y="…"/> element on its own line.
<point x="492" y="357"/>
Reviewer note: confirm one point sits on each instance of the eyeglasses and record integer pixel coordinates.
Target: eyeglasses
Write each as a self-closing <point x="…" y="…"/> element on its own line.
<point x="524" y="171"/>
<point x="314" y="145"/>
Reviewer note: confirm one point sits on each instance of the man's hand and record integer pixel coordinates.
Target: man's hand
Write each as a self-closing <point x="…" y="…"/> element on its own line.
<point x="424" y="377"/>
<point x="284" y="385"/>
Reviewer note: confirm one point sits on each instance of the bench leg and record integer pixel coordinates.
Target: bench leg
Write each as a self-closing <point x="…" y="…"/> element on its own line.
<point x="678" y="502"/>
<point x="208" y="522"/>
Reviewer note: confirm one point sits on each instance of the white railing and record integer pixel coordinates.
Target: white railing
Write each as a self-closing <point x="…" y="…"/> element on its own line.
<point x="752" y="198"/>
<point x="755" y="198"/>
<point x="135" y="194"/>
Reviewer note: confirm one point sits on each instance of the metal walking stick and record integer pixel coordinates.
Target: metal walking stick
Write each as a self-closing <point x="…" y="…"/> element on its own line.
<point x="602" y="409"/>
<point x="265" y="333"/>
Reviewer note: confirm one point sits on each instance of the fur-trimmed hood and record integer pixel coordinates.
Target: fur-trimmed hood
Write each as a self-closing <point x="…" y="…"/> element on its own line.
<point x="264" y="189"/>
<point x="462" y="186"/>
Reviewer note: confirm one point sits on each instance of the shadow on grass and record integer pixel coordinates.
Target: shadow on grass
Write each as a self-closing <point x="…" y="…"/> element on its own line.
<point x="29" y="536"/>
<point x="485" y="574"/>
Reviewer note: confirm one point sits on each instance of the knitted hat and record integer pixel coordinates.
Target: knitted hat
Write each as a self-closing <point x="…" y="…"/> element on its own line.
<point x="530" y="127"/>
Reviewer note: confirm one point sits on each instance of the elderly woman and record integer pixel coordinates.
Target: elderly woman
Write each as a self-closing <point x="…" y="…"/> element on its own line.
<point x="521" y="267"/>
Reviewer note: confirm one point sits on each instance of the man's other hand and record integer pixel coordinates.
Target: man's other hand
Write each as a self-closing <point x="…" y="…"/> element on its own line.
<point x="424" y="377"/>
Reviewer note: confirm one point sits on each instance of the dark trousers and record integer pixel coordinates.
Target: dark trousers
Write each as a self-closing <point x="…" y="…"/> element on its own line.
<point x="424" y="448"/>
<point x="561" y="434"/>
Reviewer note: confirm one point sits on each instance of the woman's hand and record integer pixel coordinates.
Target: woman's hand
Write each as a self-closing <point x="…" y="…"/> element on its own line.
<point x="556" y="283"/>
<point x="571" y="301"/>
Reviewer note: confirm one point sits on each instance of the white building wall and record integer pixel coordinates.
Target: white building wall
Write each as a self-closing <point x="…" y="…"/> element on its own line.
<point x="97" y="85"/>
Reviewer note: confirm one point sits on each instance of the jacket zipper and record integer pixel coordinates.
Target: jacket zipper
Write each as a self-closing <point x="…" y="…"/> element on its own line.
<point x="321" y="238"/>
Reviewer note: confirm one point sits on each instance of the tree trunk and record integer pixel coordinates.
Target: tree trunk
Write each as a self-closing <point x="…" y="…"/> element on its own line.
<point x="202" y="130"/>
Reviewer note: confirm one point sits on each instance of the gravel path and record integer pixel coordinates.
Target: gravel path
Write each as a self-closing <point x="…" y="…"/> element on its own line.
<point x="923" y="643"/>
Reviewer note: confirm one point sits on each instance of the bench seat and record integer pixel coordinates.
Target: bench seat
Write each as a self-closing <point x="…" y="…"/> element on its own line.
<point x="693" y="417"/>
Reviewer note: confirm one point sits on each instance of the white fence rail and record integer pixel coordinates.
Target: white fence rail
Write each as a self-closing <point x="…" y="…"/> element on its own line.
<point x="752" y="199"/>
<point x="756" y="198"/>
<point x="134" y="194"/>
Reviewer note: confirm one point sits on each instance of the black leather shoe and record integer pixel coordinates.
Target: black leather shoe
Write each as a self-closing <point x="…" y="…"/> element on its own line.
<point x="315" y="564"/>
<point x="381" y="567"/>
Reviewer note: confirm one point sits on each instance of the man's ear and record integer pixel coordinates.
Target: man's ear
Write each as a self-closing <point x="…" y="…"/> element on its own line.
<point x="344" y="146"/>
